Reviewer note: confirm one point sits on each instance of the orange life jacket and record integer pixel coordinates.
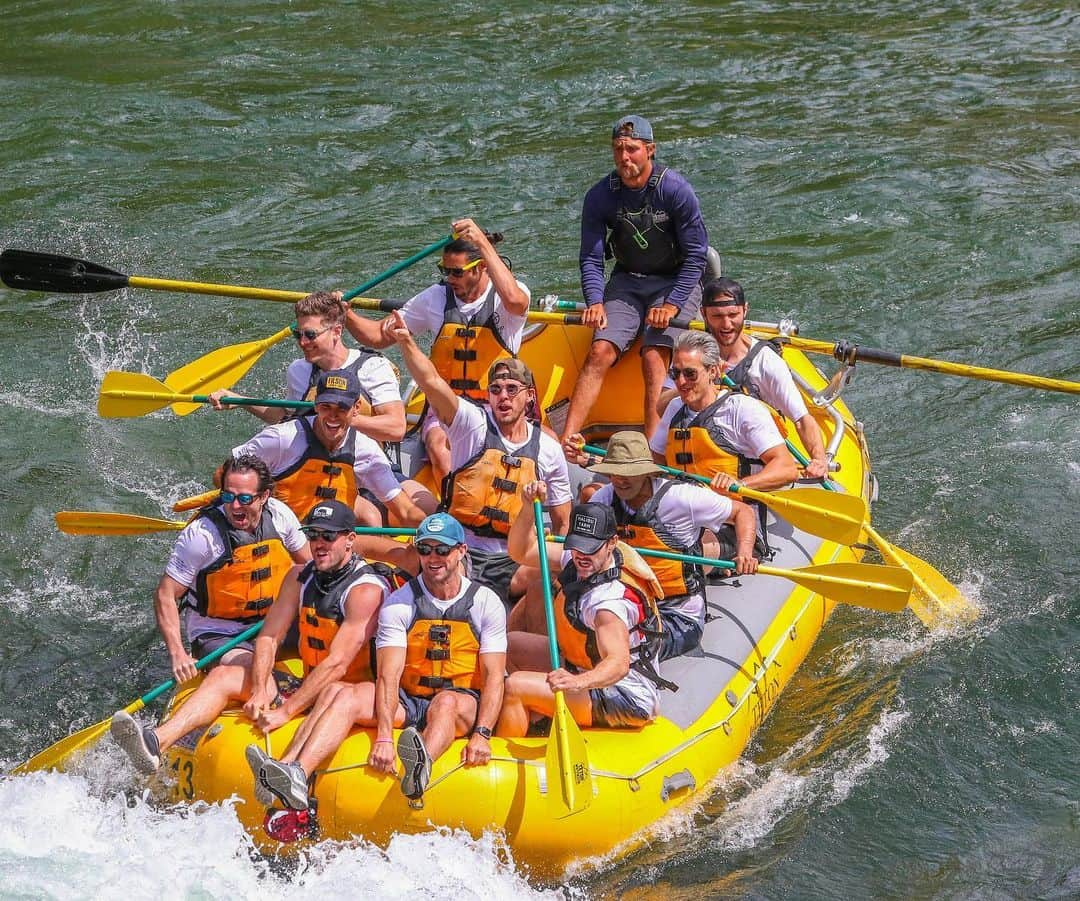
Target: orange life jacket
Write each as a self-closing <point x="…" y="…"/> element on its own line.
<point x="644" y="529"/>
<point x="242" y="583"/>
<point x="318" y="475"/>
<point x="466" y="346"/>
<point x="443" y="648"/>
<point x="322" y="613"/>
<point x="577" y="642"/>
<point x="484" y="495"/>
<point x="695" y="445"/>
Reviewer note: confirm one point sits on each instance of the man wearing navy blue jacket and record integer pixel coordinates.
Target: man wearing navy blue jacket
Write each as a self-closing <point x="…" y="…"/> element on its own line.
<point x="647" y="218"/>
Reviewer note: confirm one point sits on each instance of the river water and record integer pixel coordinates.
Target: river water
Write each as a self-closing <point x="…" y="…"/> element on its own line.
<point x="904" y="174"/>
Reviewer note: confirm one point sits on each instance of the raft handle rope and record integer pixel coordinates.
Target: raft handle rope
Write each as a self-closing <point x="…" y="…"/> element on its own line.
<point x="633" y="779"/>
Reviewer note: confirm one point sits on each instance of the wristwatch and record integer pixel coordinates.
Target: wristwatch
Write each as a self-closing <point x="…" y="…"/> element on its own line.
<point x="483" y="731"/>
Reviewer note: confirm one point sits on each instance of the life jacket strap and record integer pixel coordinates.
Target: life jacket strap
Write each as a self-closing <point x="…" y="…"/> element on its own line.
<point x="463" y="355"/>
<point x="259" y="575"/>
<point x="495" y="515"/>
<point x="503" y="485"/>
<point x="332" y="469"/>
<point x="326" y="492"/>
<point x="435" y="682"/>
<point x="464" y="384"/>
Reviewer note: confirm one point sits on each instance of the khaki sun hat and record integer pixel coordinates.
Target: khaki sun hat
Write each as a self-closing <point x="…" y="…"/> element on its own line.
<point x="628" y="454"/>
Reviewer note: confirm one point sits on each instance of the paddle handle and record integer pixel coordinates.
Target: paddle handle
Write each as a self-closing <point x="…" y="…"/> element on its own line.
<point x="397" y="267"/>
<point x="254" y="402"/>
<point x="155" y="693"/>
<point x="545" y="581"/>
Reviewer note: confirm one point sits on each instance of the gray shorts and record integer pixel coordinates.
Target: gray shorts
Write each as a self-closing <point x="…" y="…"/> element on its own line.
<point x="680" y="636"/>
<point x="493" y="570"/>
<point x="614" y="709"/>
<point x="627" y="300"/>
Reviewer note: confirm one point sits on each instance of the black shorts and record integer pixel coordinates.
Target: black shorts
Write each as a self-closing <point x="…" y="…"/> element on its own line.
<point x="493" y="570"/>
<point x="614" y="709"/>
<point x="416" y="708"/>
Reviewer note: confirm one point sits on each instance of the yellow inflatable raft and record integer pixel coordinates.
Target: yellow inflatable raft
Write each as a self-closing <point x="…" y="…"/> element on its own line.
<point x="759" y="630"/>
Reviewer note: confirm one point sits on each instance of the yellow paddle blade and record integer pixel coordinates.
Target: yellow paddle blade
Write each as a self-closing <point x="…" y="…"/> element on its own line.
<point x="885" y="588"/>
<point x="196" y="501"/>
<point x="87" y="522"/>
<point x="221" y="368"/>
<point x="569" y="788"/>
<point x="127" y="394"/>
<point x="934" y="599"/>
<point x="59" y="755"/>
<point x="829" y="514"/>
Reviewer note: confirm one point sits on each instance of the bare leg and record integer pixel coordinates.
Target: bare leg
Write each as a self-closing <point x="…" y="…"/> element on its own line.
<point x="528" y="693"/>
<point x="528" y="615"/>
<point x="602" y="356"/>
<point x="224" y="683"/>
<point x="420" y="496"/>
<point x="527" y="651"/>
<point x="524" y="576"/>
<point x="438" y="452"/>
<point x="367" y="514"/>
<point x="654" y="365"/>
<point x="322" y="702"/>
<point x="450" y="715"/>
<point x="353" y="704"/>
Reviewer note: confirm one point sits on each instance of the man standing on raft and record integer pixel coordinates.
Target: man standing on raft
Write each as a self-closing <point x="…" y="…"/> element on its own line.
<point x="647" y="217"/>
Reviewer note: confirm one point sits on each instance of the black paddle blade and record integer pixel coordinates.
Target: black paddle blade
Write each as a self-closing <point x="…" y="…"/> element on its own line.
<point x="29" y="270"/>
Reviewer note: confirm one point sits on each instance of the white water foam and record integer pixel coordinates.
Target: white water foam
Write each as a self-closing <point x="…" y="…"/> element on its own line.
<point x="62" y="841"/>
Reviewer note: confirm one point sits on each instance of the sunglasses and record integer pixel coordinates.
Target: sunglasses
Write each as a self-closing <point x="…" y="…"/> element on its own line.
<point x="689" y="373"/>
<point x="227" y="497"/>
<point x="308" y="334"/>
<point x="322" y="534"/>
<point x="510" y="389"/>
<point x="426" y="550"/>
<point x="457" y="271"/>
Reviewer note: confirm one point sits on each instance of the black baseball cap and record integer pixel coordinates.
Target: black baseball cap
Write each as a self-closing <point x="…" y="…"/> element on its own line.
<point x="590" y="526"/>
<point x="338" y="386"/>
<point x="332" y="516"/>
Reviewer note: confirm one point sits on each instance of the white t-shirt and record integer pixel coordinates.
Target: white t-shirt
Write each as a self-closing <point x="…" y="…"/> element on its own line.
<point x="199" y="545"/>
<point x="488" y="616"/>
<point x="771" y="378"/>
<point x="611" y="596"/>
<point x="424" y="313"/>
<point x="744" y="423"/>
<point x="684" y="511"/>
<point x="281" y="445"/>
<point x="377" y="379"/>
<point x="467" y="433"/>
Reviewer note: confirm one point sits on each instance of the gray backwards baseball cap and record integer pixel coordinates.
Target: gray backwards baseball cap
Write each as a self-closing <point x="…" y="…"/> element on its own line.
<point x="633" y="127"/>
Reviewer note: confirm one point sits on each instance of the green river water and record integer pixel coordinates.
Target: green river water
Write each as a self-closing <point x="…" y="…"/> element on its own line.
<point x="903" y="174"/>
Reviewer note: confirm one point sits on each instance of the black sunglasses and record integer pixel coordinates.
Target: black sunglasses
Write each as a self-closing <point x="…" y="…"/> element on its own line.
<point x="321" y="534"/>
<point x="309" y="333"/>
<point x="426" y="550"/>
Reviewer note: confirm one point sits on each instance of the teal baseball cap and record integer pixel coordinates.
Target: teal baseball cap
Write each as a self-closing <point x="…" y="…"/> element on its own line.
<point x="440" y="527"/>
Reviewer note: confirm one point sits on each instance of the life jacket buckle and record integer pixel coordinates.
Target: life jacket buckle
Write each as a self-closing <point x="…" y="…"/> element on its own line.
<point x="682" y="434"/>
<point x="684" y="457"/>
<point x="438" y="654"/>
<point x="326" y="493"/>
<point x="260" y="550"/>
<point x="504" y="485"/>
<point x="512" y="461"/>
<point x="463" y="355"/>
<point x="465" y="332"/>
<point x="259" y="575"/>
<point x="332" y="469"/>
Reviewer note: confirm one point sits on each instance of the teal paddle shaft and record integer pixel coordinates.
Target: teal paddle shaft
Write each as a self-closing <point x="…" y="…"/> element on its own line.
<point x="205" y="661"/>
<point x="665" y="555"/>
<point x="395" y="269"/>
<point x="545" y="581"/>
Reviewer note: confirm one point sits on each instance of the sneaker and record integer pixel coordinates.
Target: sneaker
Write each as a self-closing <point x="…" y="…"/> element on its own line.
<point x="140" y="743"/>
<point x="415" y="761"/>
<point x="290" y="825"/>
<point x="256" y="757"/>
<point x="286" y="781"/>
